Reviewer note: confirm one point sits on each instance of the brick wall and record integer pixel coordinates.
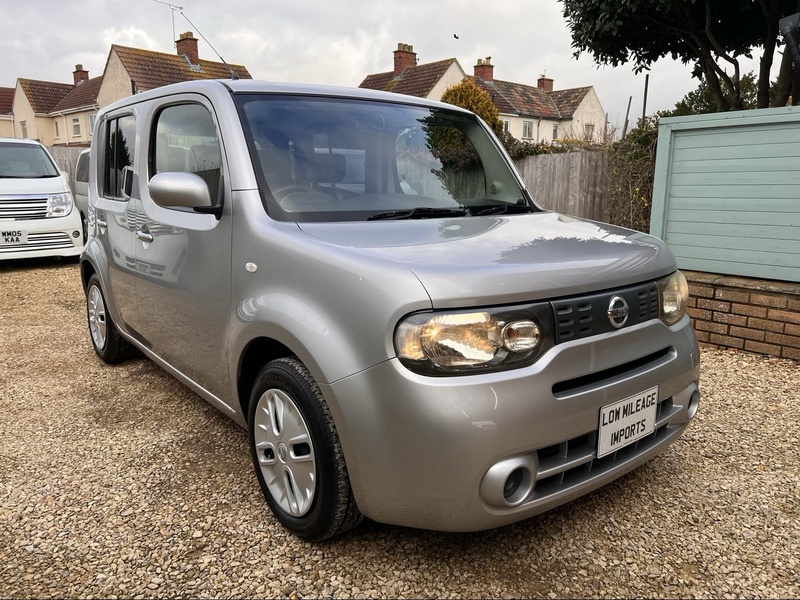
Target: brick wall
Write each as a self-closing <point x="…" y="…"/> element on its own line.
<point x="747" y="314"/>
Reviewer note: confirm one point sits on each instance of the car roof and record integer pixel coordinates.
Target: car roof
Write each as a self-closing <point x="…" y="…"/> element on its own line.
<point x="245" y="86"/>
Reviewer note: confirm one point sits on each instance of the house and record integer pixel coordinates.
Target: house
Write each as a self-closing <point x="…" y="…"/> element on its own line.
<point x="132" y="70"/>
<point x="62" y="114"/>
<point x="6" y="112"/>
<point x="528" y="113"/>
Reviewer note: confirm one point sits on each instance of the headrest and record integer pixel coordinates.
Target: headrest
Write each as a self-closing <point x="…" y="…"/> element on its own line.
<point x="328" y="168"/>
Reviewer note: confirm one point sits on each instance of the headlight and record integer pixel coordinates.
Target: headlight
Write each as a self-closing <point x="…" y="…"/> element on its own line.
<point x="674" y="293"/>
<point x="474" y="341"/>
<point x="59" y="205"/>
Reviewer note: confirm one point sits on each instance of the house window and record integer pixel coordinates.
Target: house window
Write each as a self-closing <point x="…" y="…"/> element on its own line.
<point x="527" y="129"/>
<point x="56" y="125"/>
<point x="588" y="131"/>
<point x="92" y="118"/>
<point x="76" y="126"/>
<point x="555" y="132"/>
<point x="505" y="126"/>
<point x="23" y="127"/>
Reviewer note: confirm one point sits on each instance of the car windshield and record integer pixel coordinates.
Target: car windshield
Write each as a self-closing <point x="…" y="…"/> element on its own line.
<point x="328" y="159"/>
<point x="25" y="161"/>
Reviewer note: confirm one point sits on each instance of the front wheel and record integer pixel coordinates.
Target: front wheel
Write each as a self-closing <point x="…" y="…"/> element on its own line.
<point x="297" y="455"/>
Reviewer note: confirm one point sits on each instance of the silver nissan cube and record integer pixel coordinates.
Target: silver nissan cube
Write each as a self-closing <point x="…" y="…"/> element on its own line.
<point x="364" y="283"/>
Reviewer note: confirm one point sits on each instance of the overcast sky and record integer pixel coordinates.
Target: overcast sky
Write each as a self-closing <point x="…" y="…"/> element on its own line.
<point x="328" y="41"/>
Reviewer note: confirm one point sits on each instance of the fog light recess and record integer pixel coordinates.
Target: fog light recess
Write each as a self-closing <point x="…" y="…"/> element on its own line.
<point x="694" y="402"/>
<point x="510" y="482"/>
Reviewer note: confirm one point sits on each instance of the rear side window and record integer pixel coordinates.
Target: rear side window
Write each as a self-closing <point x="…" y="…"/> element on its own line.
<point x="82" y="169"/>
<point x="186" y="141"/>
<point x="120" y="151"/>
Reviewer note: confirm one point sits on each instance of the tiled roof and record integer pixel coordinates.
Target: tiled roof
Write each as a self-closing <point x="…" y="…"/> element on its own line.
<point x="6" y="100"/>
<point x="528" y="100"/>
<point x="44" y="95"/>
<point x="502" y="103"/>
<point x="568" y="101"/>
<point x="149" y="69"/>
<point x="83" y="94"/>
<point x="508" y="97"/>
<point x="413" y="81"/>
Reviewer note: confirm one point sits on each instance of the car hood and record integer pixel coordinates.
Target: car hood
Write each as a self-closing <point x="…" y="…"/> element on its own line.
<point x="517" y="258"/>
<point x="44" y="185"/>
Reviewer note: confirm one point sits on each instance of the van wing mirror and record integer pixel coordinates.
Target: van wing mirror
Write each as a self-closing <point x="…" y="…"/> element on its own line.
<point x="180" y="189"/>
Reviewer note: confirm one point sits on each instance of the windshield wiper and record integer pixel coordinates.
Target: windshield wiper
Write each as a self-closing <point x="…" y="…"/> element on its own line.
<point x="420" y="212"/>
<point x="504" y="209"/>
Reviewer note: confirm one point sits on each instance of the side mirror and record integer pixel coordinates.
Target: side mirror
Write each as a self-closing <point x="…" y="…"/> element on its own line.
<point x="181" y="189"/>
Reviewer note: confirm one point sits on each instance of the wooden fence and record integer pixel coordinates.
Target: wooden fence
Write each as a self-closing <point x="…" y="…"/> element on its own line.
<point x="66" y="158"/>
<point x="574" y="183"/>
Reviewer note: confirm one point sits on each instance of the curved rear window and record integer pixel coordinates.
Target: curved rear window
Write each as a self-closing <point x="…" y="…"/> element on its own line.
<point x="25" y="161"/>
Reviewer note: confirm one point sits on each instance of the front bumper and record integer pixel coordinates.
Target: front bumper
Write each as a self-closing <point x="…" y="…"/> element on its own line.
<point x="418" y="448"/>
<point x="54" y="236"/>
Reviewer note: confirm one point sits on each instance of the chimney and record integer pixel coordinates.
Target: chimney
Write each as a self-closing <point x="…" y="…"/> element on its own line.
<point x="79" y="75"/>
<point x="187" y="46"/>
<point x="484" y="69"/>
<point x="545" y="83"/>
<point x="404" y="57"/>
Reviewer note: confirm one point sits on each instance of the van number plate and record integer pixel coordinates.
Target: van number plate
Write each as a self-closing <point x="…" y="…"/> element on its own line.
<point x="626" y="421"/>
<point x="13" y="237"/>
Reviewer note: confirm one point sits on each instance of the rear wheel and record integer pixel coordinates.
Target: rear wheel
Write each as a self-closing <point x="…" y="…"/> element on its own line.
<point x="297" y="454"/>
<point x="108" y="343"/>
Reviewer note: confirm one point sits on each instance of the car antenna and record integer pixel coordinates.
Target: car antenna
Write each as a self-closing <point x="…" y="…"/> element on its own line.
<point x="172" y="8"/>
<point x="234" y="76"/>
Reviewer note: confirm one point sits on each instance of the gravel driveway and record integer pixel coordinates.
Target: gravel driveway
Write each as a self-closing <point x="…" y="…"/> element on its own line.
<point x="119" y="482"/>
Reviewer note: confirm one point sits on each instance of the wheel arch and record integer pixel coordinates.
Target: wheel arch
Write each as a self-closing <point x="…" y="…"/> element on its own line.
<point x="87" y="270"/>
<point x="258" y="353"/>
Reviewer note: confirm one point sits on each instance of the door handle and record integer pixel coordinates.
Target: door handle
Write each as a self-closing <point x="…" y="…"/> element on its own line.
<point x="101" y="222"/>
<point x="144" y="236"/>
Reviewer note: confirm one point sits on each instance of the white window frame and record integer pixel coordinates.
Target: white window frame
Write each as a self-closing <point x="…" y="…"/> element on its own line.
<point x="527" y="130"/>
<point x="506" y="125"/>
<point x="23" y="128"/>
<point x="76" y="126"/>
<point x="55" y="123"/>
<point x="588" y="131"/>
<point x="555" y="131"/>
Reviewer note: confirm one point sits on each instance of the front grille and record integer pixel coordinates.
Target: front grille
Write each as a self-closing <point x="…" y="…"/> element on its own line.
<point x="572" y="462"/>
<point x="564" y="389"/>
<point x="40" y="241"/>
<point x="584" y="316"/>
<point x="23" y="207"/>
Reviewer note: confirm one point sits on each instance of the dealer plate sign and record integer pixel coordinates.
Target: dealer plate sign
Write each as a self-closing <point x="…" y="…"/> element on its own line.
<point x="13" y="237"/>
<point x="626" y="421"/>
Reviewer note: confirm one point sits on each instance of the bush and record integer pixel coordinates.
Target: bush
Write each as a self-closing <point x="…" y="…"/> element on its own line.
<point x="631" y="169"/>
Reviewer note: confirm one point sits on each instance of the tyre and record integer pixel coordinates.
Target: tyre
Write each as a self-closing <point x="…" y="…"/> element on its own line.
<point x="109" y="345"/>
<point x="297" y="455"/>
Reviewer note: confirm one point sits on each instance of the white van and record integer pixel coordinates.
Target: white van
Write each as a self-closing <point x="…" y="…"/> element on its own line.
<point x="37" y="212"/>
<point x="80" y="186"/>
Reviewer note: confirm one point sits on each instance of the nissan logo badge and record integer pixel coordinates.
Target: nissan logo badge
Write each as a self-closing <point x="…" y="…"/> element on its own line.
<point x="618" y="311"/>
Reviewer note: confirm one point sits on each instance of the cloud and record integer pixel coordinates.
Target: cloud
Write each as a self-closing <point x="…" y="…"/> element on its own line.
<point x="130" y="36"/>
